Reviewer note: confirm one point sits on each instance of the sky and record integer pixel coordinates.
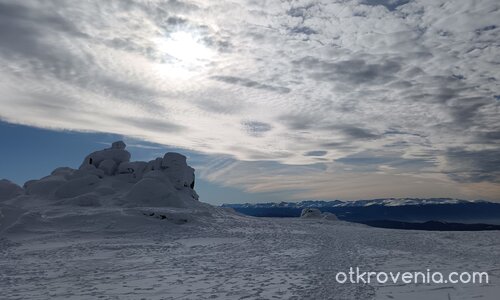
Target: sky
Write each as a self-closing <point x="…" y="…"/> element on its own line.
<point x="270" y="100"/>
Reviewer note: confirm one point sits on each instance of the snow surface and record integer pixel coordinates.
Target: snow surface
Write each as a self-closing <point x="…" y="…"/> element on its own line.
<point x="135" y="230"/>
<point x="9" y="190"/>
<point x="128" y="254"/>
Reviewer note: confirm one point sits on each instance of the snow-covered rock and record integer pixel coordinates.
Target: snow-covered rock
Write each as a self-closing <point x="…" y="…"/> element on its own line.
<point x="314" y="213"/>
<point x="329" y="216"/>
<point x="77" y="187"/>
<point x="117" y="153"/>
<point x="108" y="178"/>
<point x="9" y="190"/>
<point x="153" y="192"/>
<point x="179" y="173"/>
<point x="310" y="213"/>
<point x="108" y="166"/>
<point x="134" y="169"/>
<point x="44" y="187"/>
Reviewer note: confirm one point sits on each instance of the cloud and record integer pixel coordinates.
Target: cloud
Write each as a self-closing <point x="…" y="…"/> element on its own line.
<point x="389" y="4"/>
<point x="251" y="84"/>
<point x="473" y="166"/>
<point x="255" y="128"/>
<point x="353" y="71"/>
<point x="316" y="153"/>
<point x="353" y="132"/>
<point x="365" y="89"/>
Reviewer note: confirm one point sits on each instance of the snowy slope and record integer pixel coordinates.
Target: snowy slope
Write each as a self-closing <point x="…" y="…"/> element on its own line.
<point x="226" y="256"/>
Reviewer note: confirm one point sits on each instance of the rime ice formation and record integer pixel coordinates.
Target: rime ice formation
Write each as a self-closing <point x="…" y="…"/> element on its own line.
<point x="108" y="178"/>
<point x="9" y="190"/>
<point x="314" y="213"/>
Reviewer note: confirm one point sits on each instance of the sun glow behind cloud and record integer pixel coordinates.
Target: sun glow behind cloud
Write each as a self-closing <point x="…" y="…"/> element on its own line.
<point x="185" y="54"/>
<point x="185" y="47"/>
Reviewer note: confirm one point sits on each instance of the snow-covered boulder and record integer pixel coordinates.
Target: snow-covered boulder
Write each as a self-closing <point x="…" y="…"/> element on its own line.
<point x="117" y="153"/>
<point x="154" y="164"/>
<point x="85" y="171"/>
<point x="62" y="171"/>
<point x="329" y="216"/>
<point x="153" y="192"/>
<point x="9" y="190"/>
<point x="119" y="145"/>
<point x="108" y="166"/>
<point x="78" y="186"/>
<point x="44" y="187"/>
<point x="179" y="173"/>
<point x="314" y="213"/>
<point x="136" y="168"/>
<point x="310" y="213"/>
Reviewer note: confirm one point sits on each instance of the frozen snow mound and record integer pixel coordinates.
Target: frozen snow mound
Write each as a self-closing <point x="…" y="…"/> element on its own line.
<point x="314" y="213"/>
<point x="108" y="178"/>
<point x="116" y="154"/>
<point x="310" y="213"/>
<point x="9" y="190"/>
<point x="329" y="216"/>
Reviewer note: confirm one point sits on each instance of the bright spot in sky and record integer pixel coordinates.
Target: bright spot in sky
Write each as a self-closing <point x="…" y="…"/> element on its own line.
<point x="186" y="48"/>
<point x="186" y="55"/>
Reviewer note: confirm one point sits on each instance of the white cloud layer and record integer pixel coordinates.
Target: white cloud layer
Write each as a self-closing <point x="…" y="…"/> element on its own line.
<point x="337" y="96"/>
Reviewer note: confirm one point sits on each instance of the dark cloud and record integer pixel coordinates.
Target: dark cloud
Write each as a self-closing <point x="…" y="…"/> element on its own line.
<point x="251" y="84"/>
<point x="473" y="166"/>
<point x="26" y="27"/>
<point x="486" y="28"/>
<point x="400" y="132"/>
<point x="316" y="153"/>
<point x="255" y="128"/>
<point x="355" y="132"/>
<point x="391" y="5"/>
<point x="332" y="145"/>
<point x="465" y="110"/>
<point x="299" y="11"/>
<point x="303" y="30"/>
<point x="176" y="21"/>
<point x="354" y="71"/>
<point x="312" y="123"/>
<point x="299" y="121"/>
<point x="492" y="135"/>
<point x="366" y="159"/>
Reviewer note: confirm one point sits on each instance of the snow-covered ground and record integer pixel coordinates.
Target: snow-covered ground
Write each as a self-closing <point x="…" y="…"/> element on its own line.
<point x="115" y="229"/>
<point x="127" y="254"/>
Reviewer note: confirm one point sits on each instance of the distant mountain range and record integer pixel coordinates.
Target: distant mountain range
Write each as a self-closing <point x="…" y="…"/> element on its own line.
<point x="387" y="209"/>
<point x="431" y="226"/>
